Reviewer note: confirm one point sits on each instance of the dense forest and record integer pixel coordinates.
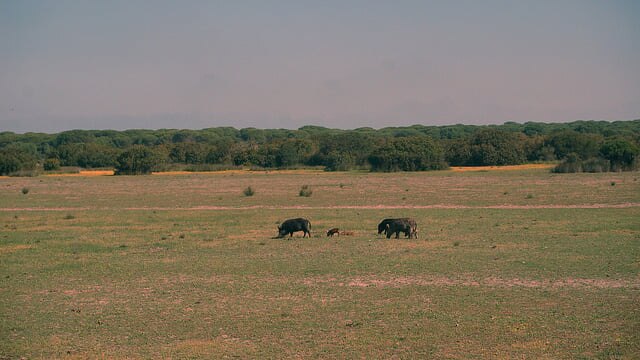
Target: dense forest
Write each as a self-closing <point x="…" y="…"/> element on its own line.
<point x="576" y="146"/>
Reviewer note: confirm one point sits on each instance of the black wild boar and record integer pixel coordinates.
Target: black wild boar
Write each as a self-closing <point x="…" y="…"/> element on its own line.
<point x="294" y="225"/>
<point x="382" y="227"/>
<point x="406" y="225"/>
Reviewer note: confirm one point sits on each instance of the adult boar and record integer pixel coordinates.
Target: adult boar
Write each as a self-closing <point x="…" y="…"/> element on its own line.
<point x="406" y="225"/>
<point x="382" y="227"/>
<point x="294" y="225"/>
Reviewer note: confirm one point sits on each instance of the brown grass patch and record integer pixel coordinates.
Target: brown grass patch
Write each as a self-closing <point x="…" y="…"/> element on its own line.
<point x="13" y="248"/>
<point x="221" y="344"/>
<point x="492" y="282"/>
<point x="85" y="173"/>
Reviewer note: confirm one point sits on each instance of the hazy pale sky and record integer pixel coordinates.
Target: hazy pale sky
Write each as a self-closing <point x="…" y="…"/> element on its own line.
<point x="336" y="63"/>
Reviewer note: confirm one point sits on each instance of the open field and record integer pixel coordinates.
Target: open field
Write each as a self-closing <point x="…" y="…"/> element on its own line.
<point x="508" y="264"/>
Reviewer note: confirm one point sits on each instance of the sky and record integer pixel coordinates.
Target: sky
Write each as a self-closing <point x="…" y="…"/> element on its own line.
<point x="124" y="64"/>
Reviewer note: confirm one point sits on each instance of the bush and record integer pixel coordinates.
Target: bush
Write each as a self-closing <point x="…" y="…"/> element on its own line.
<point x="248" y="191"/>
<point x="25" y="190"/>
<point x="596" y="165"/>
<point x="305" y="191"/>
<point x="571" y="164"/>
<point x="51" y="164"/>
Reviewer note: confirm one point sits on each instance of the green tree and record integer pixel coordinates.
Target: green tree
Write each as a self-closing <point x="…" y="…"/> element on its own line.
<point x="492" y="146"/>
<point x="89" y="155"/>
<point x="138" y="160"/>
<point x="293" y="152"/>
<point x="408" y="154"/>
<point x="568" y="141"/>
<point x="457" y="152"/>
<point x="622" y="154"/>
<point x="17" y="157"/>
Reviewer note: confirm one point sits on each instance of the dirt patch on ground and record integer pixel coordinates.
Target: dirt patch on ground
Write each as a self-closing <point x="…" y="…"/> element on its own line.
<point x="493" y="282"/>
<point x="46" y="209"/>
<point x="382" y="207"/>
<point x="220" y="344"/>
<point x="13" y="248"/>
<point x="349" y="207"/>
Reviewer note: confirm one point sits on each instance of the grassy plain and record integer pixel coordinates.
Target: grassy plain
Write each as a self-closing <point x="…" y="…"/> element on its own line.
<point x="508" y="264"/>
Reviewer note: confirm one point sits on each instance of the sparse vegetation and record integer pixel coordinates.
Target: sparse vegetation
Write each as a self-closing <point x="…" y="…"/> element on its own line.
<point x="248" y="191"/>
<point x="305" y="191"/>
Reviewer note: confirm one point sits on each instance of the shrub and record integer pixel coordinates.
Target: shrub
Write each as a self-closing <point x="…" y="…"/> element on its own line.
<point x="596" y="165"/>
<point x="248" y="191"/>
<point x="571" y="164"/>
<point x="25" y="190"/>
<point x="51" y="164"/>
<point x="305" y="191"/>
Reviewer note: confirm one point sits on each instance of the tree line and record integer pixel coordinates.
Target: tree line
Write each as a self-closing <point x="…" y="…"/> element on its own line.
<point x="577" y="146"/>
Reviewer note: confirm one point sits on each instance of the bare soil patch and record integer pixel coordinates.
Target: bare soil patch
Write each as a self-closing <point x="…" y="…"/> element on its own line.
<point x="13" y="248"/>
<point x="492" y="282"/>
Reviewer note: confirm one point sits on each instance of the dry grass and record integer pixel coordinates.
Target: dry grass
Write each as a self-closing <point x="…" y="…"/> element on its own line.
<point x="85" y="173"/>
<point x="502" y="168"/>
